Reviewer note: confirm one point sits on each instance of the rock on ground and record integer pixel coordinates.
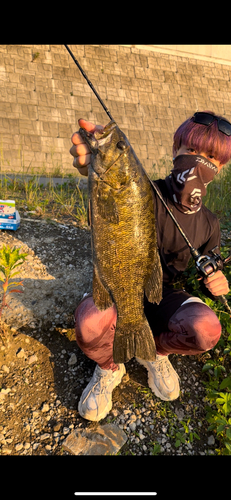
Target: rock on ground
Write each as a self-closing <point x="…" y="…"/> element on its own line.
<point x="104" y="440"/>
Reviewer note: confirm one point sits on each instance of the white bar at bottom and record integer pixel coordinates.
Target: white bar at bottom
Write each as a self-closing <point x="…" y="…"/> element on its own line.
<point x="115" y="493"/>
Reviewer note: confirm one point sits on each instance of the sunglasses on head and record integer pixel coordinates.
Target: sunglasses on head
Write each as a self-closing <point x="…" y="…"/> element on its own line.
<point x="206" y="119"/>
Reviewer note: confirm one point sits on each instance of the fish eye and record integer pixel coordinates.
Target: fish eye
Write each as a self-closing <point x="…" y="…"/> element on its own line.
<point x="121" y="145"/>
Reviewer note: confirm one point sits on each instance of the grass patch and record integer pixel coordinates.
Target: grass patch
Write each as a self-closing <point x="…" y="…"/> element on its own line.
<point x="63" y="201"/>
<point x="218" y="197"/>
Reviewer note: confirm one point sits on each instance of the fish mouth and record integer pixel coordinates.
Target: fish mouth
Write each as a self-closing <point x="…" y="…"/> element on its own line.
<point x="96" y="139"/>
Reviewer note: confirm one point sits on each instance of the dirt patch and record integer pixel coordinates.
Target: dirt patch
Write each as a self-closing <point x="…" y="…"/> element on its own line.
<point x="55" y="274"/>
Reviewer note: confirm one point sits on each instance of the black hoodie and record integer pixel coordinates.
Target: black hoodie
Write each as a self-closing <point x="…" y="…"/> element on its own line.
<point x="202" y="229"/>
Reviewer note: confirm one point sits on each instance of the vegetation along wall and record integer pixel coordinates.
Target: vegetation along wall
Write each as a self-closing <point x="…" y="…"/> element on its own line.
<point x="149" y="92"/>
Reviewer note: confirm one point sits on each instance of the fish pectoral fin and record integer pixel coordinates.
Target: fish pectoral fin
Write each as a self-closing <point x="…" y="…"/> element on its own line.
<point x="133" y="340"/>
<point x="108" y="209"/>
<point x="154" y="286"/>
<point x="101" y="297"/>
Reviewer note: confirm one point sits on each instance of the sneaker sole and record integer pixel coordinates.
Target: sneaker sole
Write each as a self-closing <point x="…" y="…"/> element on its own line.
<point x="152" y="384"/>
<point x="109" y="405"/>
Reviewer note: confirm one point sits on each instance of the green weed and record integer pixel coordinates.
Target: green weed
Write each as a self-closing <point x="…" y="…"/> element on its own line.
<point x="182" y="435"/>
<point x="72" y="201"/>
<point x="10" y="258"/>
<point x="156" y="448"/>
<point x="35" y="56"/>
<point x="218" y="194"/>
<point x="219" y="415"/>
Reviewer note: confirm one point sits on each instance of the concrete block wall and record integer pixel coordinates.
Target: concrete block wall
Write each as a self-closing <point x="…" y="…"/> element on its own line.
<point x="43" y="94"/>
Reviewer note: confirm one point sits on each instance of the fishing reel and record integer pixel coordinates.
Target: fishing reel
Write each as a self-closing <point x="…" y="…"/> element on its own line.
<point x="207" y="265"/>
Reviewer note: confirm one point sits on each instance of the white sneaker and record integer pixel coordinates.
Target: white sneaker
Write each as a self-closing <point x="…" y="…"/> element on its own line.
<point x="162" y="378"/>
<point x="96" y="399"/>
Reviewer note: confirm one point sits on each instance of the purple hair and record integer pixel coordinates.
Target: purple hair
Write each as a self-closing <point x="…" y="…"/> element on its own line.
<point x="202" y="138"/>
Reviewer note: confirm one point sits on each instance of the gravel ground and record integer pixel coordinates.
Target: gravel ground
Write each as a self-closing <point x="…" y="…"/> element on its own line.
<point x="43" y="372"/>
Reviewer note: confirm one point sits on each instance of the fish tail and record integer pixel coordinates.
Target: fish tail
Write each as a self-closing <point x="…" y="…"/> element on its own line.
<point x="145" y="343"/>
<point x="133" y="340"/>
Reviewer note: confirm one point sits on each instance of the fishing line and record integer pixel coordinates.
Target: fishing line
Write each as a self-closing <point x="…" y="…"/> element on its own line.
<point x="89" y="83"/>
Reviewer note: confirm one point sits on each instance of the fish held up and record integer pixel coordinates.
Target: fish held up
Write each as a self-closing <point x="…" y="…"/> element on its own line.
<point x="126" y="263"/>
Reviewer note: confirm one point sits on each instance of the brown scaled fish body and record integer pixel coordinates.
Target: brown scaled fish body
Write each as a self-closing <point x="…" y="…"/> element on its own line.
<point x="126" y="261"/>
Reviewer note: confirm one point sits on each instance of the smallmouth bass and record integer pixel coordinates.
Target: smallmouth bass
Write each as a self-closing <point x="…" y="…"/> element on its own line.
<point x="126" y="261"/>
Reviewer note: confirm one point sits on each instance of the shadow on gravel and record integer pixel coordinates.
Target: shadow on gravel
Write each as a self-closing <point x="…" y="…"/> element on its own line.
<point x="63" y="369"/>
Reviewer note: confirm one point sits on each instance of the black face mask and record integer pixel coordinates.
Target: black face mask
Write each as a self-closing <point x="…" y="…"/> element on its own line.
<point x="188" y="181"/>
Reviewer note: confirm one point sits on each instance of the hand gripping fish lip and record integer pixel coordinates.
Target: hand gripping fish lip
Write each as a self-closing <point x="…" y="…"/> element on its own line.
<point x="96" y="140"/>
<point x="99" y="143"/>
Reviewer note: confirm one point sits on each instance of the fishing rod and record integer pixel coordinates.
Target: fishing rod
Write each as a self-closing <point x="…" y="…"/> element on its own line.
<point x="89" y="83"/>
<point x="206" y="265"/>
